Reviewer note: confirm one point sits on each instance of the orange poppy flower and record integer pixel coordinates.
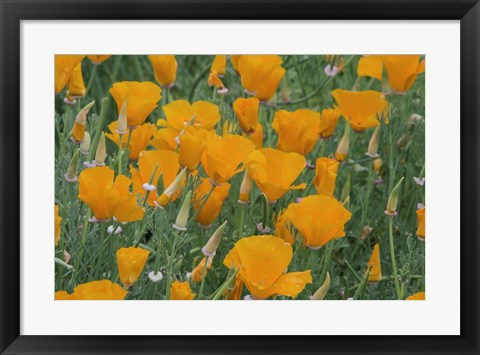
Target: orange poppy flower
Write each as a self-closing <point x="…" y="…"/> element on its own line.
<point x="275" y="171"/>
<point x="234" y="60"/>
<point x="262" y="261"/>
<point x="108" y="198"/>
<point x="98" y="59"/>
<point x="181" y="291"/>
<point x="94" y="290"/>
<point x="76" y="86"/>
<point x="419" y="296"/>
<point x="58" y="223"/>
<point x="297" y="131"/>
<point x="246" y="111"/>
<point x="167" y="165"/>
<point x="328" y="121"/>
<point x="261" y="74"/>
<point x="283" y="228"/>
<point x="325" y="176"/>
<point x="219" y="64"/>
<point x="236" y="292"/>
<point x="178" y="113"/>
<point x="360" y="107"/>
<point x="165" y="138"/>
<point x="318" y="219"/>
<point x="421" y="223"/>
<point x="131" y="262"/>
<point x="402" y="70"/>
<point x="223" y="155"/>
<point x="164" y="68"/>
<point x="142" y="98"/>
<point x="374" y="265"/>
<point x="64" y="66"/>
<point x="256" y="137"/>
<point x="198" y="271"/>
<point x="139" y="140"/>
<point x="192" y="144"/>
<point x="211" y="208"/>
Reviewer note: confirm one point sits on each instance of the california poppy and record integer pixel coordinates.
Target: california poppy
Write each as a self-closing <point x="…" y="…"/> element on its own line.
<point x="223" y="155"/>
<point x="374" y="265"/>
<point x="219" y="64"/>
<point x="328" y="121"/>
<point x="198" y="271"/>
<point x="165" y="138"/>
<point x="75" y="86"/>
<point x="166" y="164"/>
<point x="419" y="296"/>
<point x="108" y="198"/>
<point x="192" y="144"/>
<point x="181" y="291"/>
<point x="297" y="131"/>
<point x="165" y="69"/>
<point x="421" y="223"/>
<point x="94" y="290"/>
<point x="256" y="137"/>
<point x="262" y="261"/>
<point x="325" y="176"/>
<point x="140" y="138"/>
<point x="64" y="66"/>
<point x="131" y="262"/>
<point x="58" y="222"/>
<point x="210" y="208"/>
<point x="275" y="171"/>
<point x="261" y="74"/>
<point x="361" y="108"/>
<point x="318" y="219"/>
<point x="179" y="112"/>
<point x="246" y="111"/>
<point x="142" y="98"/>
<point x="402" y="70"/>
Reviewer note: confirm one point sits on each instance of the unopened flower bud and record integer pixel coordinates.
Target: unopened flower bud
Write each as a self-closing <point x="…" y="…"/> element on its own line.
<point x="373" y="144"/>
<point x="211" y="247"/>
<point x="343" y="146"/>
<point x="346" y="203"/>
<point x="377" y="164"/>
<point x="245" y="187"/>
<point x="101" y="153"/>
<point x="323" y="290"/>
<point x="71" y="175"/>
<point x="393" y="200"/>
<point x="386" y="88"/>
<point x="85" y="145"/>
<point x="182" y="217"/>
<point x="171" y="189"/>
<point x="78" y="130"/>
<point x="122" y="119"/>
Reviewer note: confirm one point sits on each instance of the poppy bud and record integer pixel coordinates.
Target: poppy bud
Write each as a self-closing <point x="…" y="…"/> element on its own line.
<point x="148" y="186"/>
<point x="214" y="80"/>
<point x="101" y="152"/>
<point x="245" y="188"/>
<point x="78" y="130"/>
<point x="386" y="88"/>
<point x="377" y="164"/>
<point x="393" y="200"/>
<point x="346" y="203"/>
<point x="71" y="175"/>
<point x="211" y="247"/>
<point x="323" y="290"/>
<point x="373" y="144"/>
<point x="182" y="217"/>
<point x="85" y="145"/>
<point x="346" y="188"/>
<point x="122" y="120"/>
<point x="171" y="189"/>
<point x="342" y="149"/>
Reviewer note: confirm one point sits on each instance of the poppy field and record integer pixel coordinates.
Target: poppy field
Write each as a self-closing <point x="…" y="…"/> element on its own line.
<point x="239" y="177"/>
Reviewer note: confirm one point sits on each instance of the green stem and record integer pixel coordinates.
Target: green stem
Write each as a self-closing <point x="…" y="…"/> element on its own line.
<point x="328" y="258"/>
<point x="92" y="76"/>
<point x="392" y="255"/>
<point x="222" y="288"/>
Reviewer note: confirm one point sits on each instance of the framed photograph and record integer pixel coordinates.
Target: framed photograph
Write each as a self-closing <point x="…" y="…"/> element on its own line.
<point x="238" y="177"/>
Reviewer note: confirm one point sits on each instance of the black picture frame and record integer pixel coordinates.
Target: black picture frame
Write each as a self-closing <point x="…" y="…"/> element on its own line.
<point x="13" y="12"/>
